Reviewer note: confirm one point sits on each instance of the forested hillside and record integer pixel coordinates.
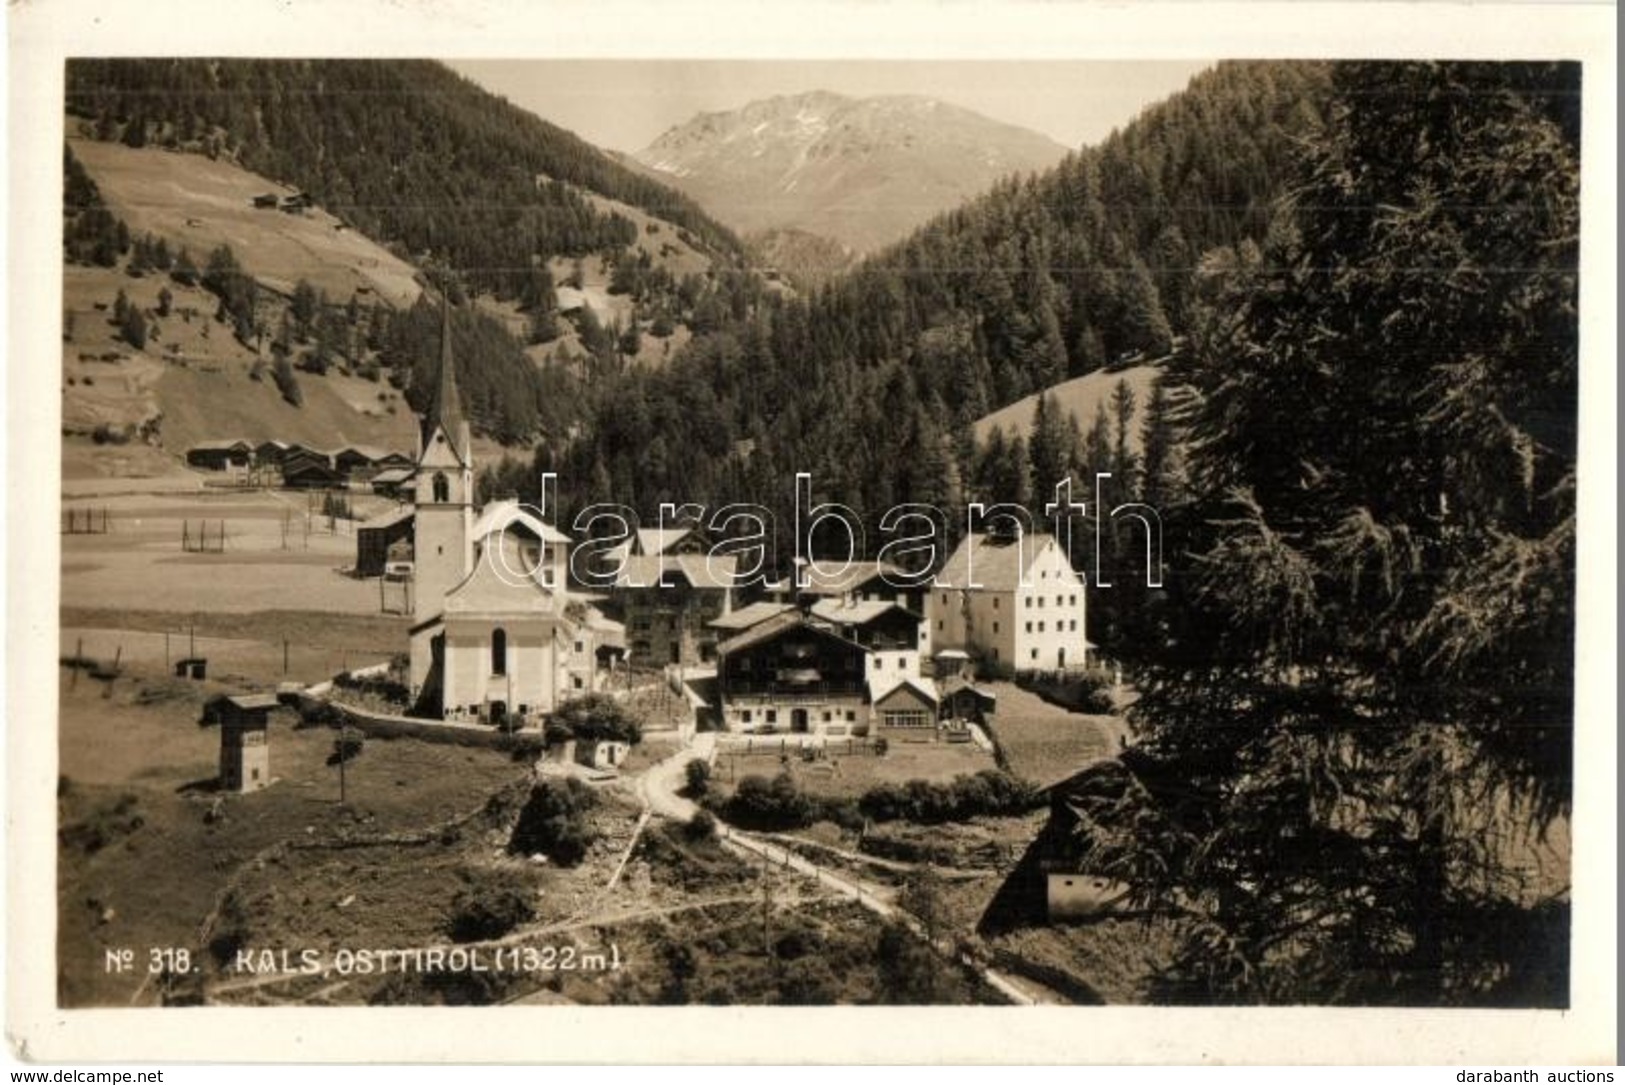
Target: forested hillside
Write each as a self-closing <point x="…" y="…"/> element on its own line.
<point x="872" y="383"/>
<point x="407" y="151"/>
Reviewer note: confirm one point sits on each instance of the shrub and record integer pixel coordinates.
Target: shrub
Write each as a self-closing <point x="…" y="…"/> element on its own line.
<point x="991" y="792"/>
<point x="702" y="826"/>
<point x="555" y="822"/>
<point x="485" y="910"/>
<point x="760" y="803"/>
<point x="698" y="776"/>
<point x="596" y="717"/>
<point x="347" y="746"/>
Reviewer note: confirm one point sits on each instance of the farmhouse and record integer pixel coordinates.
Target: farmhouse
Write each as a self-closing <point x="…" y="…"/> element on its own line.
<point x="496" y="637"/>
<point x="793" y="673"/>
<point x="1013" y="600"/>
<point x="865" y="582"/>
<point x="889" y="632"/>
<point x="270" y="453"/>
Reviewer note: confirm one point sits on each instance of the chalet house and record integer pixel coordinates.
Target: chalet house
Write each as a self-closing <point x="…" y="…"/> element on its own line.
<point x="793" y="673"/>
<point x="866" y="582"/>
<point x="1012" y="601"/>
<point x="668" y="601"/>
<point x="889" y="632"/>
<point x="220" y="455"/>
<point x="266" y="201"/>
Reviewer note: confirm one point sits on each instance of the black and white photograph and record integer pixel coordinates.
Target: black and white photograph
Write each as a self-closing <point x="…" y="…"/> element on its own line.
<point x="601" y="531"/>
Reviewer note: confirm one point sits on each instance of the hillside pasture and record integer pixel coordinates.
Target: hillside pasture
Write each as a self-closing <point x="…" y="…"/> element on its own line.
<point x="1080" y="397"/>
<point x="201" y="203"/>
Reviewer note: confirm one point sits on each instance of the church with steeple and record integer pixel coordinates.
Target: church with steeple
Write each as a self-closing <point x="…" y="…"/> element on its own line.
<point x="496" y="637"/>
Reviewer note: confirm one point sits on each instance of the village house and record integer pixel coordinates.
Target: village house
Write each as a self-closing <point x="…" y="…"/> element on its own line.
<point x="1012" y="601"/>
<point x="793" y="673"/>
<point x="668" y="602"/>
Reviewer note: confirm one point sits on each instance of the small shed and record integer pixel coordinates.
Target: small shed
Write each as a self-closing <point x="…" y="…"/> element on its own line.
<point x="596" y="753"/>
<point x="373" y="539"/>
<point x="965" y="702"/>
<point x="245" y="752"/>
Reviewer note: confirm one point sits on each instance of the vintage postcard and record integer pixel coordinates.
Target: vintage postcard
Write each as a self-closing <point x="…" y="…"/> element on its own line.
<point x="954" y="546"/>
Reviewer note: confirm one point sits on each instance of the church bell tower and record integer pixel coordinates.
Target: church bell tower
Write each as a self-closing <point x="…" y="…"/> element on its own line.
<point x="442" y="547"/>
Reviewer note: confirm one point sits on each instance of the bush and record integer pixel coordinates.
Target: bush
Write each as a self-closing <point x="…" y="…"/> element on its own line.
<point x="698" y="776"/>
<point x="287" y="383"/>
<point x="554" y="822"/>
<point x="702" y="826"/>
<point x="347" y="746"/>
<point x="485" y="910"/>
<point x="760" y="803"/>
<point x="989" y="793"/>
<point x="596" y="717"/>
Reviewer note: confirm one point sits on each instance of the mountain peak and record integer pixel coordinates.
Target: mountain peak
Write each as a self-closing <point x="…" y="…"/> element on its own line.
<point x="863" y="171"/>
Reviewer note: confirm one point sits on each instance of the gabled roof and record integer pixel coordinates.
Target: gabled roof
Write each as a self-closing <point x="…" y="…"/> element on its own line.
<point x="490" y="591"/>
<point x="647" y="541"/>
<point x="831" y="579"/>
<point x="995" y="562"/>
<point x="882" y="686"/>
<point x="745" y="617"/>
<point x="777" y="626"/>
<point x="502" y="515"/>
<point x="387" y="519"/>
<point x="246" y="701"/>
<point x="394" y="474"/>
<point x="954" y="685"/>
<point x="370" y="453"/>
<point x="859" y="612"/>
<point x="700" y="570"/>
<point x="228" y="445"/>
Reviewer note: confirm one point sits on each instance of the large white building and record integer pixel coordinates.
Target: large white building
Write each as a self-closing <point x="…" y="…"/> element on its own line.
<point x="1012" y="601"/>
<point x="495" y="633"/>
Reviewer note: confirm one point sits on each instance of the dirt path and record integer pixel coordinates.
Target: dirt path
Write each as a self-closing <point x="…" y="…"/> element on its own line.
<point x="659" y="787"/>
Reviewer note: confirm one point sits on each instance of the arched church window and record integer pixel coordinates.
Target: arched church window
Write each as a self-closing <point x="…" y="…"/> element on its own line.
<point x="442" y="487"/>
<point x="499" y="651"/>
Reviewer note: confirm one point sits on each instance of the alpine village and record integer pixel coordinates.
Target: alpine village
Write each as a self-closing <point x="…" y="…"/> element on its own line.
<point x="498" y="570"/>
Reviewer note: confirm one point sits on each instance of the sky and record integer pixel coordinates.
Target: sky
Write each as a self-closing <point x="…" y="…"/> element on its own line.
<point x="623" y="105"/>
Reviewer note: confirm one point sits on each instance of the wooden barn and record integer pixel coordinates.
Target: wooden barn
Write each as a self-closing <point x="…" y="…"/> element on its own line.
<point x="303" y="469"/>
<point x="373" y="539"/>
<point x="220" y="455"/>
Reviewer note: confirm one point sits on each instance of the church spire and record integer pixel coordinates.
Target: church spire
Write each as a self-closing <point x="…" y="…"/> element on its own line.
<point x="445" y="409"/>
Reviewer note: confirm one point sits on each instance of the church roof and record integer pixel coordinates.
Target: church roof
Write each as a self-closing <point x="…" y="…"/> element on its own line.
<point x="490" y="591"/>
<point x="508" y="513"/>
<point x="445" y="410"/>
